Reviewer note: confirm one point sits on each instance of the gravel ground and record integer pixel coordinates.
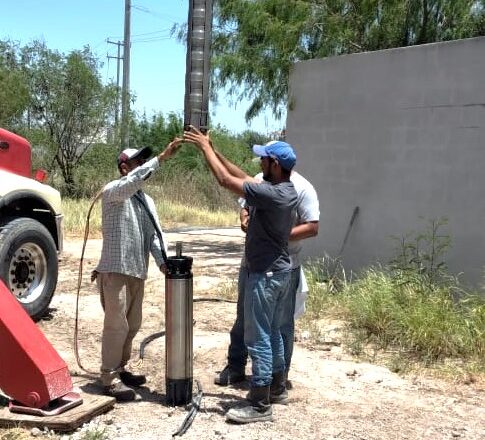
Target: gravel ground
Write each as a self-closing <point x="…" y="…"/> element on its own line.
<point x="334" y="397"/>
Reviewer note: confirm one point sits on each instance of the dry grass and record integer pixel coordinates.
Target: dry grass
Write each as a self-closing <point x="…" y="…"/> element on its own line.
<point x="170" y="213"/>
<point x="14" y="434"/>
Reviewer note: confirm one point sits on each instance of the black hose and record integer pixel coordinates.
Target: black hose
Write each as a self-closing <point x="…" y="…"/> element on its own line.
<point x="149" y="339"/>
<point x="189" y="418"/>
<point x="159" y="334"/>
<point x="78" y="290"/>
<point x="214" y="300"/>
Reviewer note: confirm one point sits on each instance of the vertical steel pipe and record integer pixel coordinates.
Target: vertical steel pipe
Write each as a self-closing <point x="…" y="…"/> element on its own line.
<point x="197" y="74"/>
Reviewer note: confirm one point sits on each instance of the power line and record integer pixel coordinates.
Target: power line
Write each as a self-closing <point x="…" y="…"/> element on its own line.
<point x="144" y="9"/>
<point x="163" y="34"/>
<point x="162" y="31"/>
<point x="151" y="40"/>
<point x="148" y="11"/>
<point x="151" y="33"/>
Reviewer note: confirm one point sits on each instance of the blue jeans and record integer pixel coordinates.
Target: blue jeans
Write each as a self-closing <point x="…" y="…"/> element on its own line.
<point x="237" y="352"/>
<point x="266" y="306"/>
<point x="288" y="328"/>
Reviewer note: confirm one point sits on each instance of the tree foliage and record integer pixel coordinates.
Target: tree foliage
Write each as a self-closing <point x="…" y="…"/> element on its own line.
<point x="157" y="131"/>
<point x="68" y="99"/>
<point x="255" y="42"/>
<point x="14" y="93"/>
<point x="57" y="101"/>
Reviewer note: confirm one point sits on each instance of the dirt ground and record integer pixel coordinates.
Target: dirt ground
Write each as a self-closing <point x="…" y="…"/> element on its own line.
<point x="334" y="397"/>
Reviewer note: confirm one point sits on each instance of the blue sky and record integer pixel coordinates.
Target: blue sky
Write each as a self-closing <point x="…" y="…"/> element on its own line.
<point x="157" y="74"/>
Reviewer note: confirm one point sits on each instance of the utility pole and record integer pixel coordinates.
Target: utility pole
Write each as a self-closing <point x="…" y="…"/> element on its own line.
<point x="118" y="59"/>
<point x="125" y="93"/>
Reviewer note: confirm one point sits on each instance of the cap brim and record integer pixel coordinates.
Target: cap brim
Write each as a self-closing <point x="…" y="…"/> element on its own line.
<point x="143" y="153"/>
<point x="260" y="150"/>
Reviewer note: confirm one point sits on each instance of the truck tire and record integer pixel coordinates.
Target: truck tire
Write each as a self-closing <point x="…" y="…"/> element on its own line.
<point x="28" y="264"/>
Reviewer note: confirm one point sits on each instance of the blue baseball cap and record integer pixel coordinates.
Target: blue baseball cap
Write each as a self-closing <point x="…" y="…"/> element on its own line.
<point x="279" y="150"/>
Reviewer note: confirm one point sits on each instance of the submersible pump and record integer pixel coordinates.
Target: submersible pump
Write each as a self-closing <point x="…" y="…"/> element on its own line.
<point x="179" y="329"/>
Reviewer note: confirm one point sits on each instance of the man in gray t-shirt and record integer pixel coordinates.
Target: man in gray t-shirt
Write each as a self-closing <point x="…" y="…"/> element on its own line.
<point x="305" y="225"/>
<point x="266" y="298"/>
<point x="267" y="236"/>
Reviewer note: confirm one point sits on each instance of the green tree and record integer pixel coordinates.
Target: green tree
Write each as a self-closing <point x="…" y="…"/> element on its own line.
<point x="14" y="92"/>
<point x="255" y="42"/>
<point x="69" y="102"/>
<point x="156" y="132"/>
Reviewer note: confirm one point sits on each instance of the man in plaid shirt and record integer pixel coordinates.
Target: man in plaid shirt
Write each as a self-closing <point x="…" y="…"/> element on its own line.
<point x="129" y="236"/>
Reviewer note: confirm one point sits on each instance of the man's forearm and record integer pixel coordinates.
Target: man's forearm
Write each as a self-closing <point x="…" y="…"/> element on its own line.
<point x="231" y="168"/>
<point x="305" y="230"/>
<point x="221" y="173"/>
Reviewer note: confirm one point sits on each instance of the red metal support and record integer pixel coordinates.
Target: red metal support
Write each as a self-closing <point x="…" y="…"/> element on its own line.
<point x="31" y="371"/>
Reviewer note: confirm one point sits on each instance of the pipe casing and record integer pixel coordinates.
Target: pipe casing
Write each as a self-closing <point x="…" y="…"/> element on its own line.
<point x="178" y="336"/>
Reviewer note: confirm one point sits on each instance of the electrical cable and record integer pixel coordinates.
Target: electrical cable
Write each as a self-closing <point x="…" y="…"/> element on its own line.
<point x="146" y="341"/>
<point x="197" y="399"/>
<point x="78" y="292"/>
<point x="79" y="279"/>
<point x="141" y="199"/>
<point x="189" y="418"/>
<point x="159" y="334"/>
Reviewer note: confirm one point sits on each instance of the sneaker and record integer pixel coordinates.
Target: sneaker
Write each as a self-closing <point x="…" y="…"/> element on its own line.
<point x="228" y="376"/>
<point x="132" y="380"/>
<point x="120" y="392"/>
<point x="249" y="414"/>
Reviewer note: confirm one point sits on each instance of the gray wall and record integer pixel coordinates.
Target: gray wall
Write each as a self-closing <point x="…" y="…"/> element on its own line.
<point x="401" y="134"/>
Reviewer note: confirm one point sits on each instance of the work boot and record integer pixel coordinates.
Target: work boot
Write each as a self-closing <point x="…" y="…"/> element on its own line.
<point x="278" y="392"/>
<point x="132" y="380"/>
<point x="258" y="408"/>
<point x="120" y="392"/>
<point x="229" y="375"/>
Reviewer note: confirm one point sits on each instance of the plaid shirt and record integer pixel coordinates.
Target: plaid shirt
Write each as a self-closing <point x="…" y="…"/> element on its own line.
<point x="128" y="233"/>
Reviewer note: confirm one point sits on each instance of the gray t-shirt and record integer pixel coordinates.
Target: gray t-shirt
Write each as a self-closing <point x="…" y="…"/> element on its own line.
<point x="307" y="210"/>
<point x="269" y="225"/>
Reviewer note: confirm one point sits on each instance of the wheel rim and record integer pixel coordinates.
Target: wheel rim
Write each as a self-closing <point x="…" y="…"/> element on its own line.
<point x="28" y="273"/>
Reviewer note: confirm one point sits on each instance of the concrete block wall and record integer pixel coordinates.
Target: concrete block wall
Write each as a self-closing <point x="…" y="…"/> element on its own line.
<point x="399" y="133"/>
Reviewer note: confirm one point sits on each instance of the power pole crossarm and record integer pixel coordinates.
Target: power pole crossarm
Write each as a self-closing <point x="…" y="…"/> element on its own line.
<point x="118" y="59"/>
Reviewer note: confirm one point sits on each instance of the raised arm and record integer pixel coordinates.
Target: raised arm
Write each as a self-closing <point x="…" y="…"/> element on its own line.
<point x="170" y="149"/>
<point x="233" y="169"/>
<point x="224" y="176"/>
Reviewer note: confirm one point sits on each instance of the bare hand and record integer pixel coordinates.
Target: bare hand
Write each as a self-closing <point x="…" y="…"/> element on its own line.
<point x="244" y="219"/>
<point x="170" y="149"/>
<point x="163" y="268"/>
<point x="200" y="140"/>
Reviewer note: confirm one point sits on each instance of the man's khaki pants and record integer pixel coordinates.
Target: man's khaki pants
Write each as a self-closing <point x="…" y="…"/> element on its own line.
<point x="121" y="298"/>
